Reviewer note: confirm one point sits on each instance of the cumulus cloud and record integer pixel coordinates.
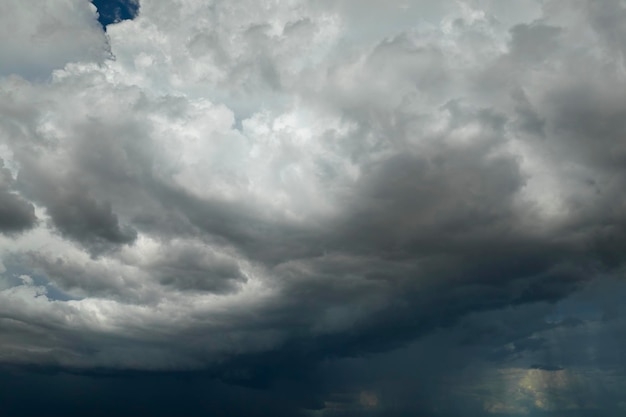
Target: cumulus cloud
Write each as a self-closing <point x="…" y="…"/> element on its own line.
<point x="16" y="214"/>
<point x="45" y="36"/>
<point x="242" y="187"/>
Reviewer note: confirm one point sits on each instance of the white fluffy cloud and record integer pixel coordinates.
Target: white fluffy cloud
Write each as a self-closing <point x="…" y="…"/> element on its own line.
<point x="41" y="36"/>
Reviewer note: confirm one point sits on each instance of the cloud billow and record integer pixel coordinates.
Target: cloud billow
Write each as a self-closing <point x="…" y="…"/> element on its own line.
<point x="240" y="189"/>
<point x="16" y="214"/>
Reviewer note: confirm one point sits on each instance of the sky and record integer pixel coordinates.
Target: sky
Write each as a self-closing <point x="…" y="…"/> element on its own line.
<point x="316" y="208"/>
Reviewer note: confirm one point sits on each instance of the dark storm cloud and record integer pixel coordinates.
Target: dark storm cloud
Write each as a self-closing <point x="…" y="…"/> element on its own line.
<point x="534" y="43"/>
<point x="77" y="214"/>
<point x="195" y="268"/>
<point x="129" y="395"/>
<point x="550" y="368"/>
<point x="16" y="214"/>
<point x="534" y="377"/>
<point x="441" y="219"/>
<point x="84" y="277"/>
<point x="276" y="198"/>
<point x="83" y="218"/>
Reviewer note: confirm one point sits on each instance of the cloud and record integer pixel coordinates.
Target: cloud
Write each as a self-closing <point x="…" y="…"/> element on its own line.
<point x="16" y="214"/>
<point x="47" y="37"/>
<point x="243" y="189"/>
<point x="195" y="267"/>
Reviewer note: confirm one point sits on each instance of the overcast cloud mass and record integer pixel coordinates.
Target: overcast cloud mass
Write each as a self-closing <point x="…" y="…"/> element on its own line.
<point x="313" y="208"/>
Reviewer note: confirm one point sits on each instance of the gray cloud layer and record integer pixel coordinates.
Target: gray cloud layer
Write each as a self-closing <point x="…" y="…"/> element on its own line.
<point x="239" y="188"/>
<point x="16" y="214"/>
